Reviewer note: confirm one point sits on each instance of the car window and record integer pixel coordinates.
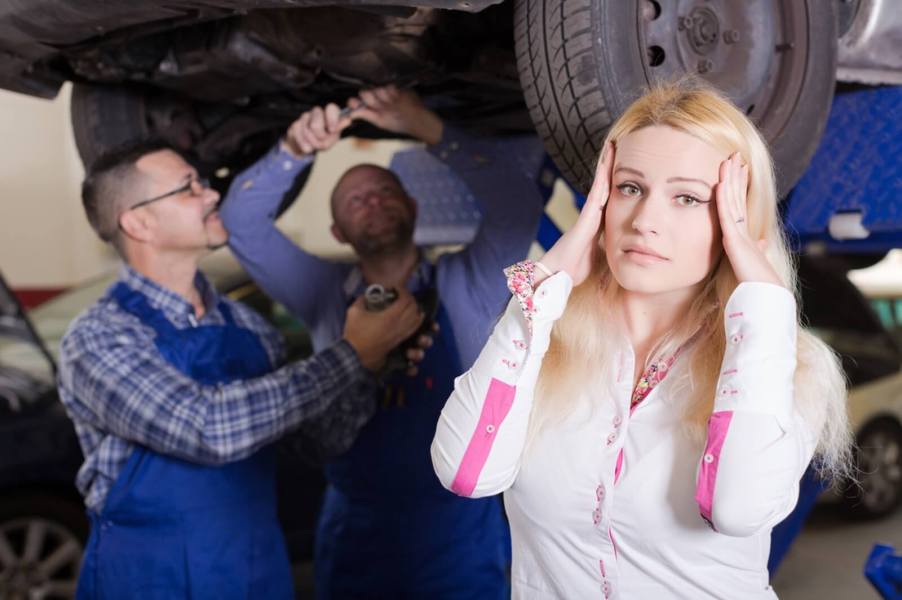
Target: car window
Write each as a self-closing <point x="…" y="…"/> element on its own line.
<point x="889" y="311"/>
<point x="837" y="312"/>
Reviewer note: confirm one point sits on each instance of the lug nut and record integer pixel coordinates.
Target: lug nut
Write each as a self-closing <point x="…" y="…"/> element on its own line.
<point x="731" y="36"/>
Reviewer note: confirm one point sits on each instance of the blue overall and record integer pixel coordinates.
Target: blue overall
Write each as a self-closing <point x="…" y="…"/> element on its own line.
<point x="387" y="528"/>
<point x="173" y="529"/>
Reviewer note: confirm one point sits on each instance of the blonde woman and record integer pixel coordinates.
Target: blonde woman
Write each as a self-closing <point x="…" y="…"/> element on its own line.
<point x="648" y="402"/>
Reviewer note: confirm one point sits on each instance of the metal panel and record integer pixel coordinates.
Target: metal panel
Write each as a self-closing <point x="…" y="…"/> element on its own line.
<point x="871" y="51"/>
<point x="855" y="175"/>
<point x="447" y="212"/>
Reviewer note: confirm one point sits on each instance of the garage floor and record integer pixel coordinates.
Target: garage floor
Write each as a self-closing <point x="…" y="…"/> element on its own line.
<point x="826" y="562"/>
<point x="827" y="559"/>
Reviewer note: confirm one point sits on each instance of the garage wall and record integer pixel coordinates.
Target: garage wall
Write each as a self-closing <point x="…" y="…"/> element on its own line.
<point x="45" y="241"/>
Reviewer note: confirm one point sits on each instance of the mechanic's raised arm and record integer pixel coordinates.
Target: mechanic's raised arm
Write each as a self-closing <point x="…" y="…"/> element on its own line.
<point x="277" y="264"/>
<point x="501" y="178"/>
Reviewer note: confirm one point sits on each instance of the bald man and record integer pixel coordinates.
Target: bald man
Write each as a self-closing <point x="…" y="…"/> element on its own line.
<point x="387" y="528"/>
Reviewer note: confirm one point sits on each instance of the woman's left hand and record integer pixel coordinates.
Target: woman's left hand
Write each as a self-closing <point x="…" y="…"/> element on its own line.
<point x="746" y="254"/>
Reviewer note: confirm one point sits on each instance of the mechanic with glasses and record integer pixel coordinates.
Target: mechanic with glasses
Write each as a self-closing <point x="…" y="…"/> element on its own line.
<point x="193" y="186"/>
<point x="387" y="528"/>
<point x="177" y="393"/>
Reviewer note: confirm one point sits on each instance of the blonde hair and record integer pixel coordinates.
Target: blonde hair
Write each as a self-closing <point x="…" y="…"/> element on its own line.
<point x="584" y="340"/>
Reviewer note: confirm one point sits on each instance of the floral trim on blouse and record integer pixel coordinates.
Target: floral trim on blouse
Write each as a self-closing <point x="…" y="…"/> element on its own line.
<point x="653" y="375"/>
<point x="520" y="278"/>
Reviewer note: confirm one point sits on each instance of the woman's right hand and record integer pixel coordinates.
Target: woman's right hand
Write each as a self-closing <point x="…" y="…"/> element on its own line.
<point x="573" y="251"/>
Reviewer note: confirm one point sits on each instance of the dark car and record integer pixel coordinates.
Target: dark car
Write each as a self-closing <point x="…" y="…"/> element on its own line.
<point x="843" y="317"/>
<point x="221" y="79"/>
<point x="43" y="526"/>
<point x="42" y="520"/>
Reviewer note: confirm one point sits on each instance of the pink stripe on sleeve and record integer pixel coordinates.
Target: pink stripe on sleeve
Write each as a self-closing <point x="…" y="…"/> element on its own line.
<point x="718" y="425"/>
<point x="498" y="402"/>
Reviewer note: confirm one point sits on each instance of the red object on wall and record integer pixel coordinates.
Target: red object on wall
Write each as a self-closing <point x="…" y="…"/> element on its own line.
<point x="31" y="297"/>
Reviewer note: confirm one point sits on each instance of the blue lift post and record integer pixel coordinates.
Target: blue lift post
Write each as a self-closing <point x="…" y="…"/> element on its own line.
<point x="854" y="177"/>
<point x="852" y="190"/>
<point x="884" y="570"/>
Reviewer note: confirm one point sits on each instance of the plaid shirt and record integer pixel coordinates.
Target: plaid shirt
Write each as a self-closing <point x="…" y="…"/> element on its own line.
<point x="121" y="392"/>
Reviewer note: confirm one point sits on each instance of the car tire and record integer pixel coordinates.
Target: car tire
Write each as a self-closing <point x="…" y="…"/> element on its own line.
<point x="104" y="117"/>
<point x="582" y="62"/>
<point x="878" y="491"/>
<point x="42" y="538"/>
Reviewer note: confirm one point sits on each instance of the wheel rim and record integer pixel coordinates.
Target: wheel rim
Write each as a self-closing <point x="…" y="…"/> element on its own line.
<point x="39" y="559"/>
<point x="755" y="52"/>
<point x="880" y="463"/>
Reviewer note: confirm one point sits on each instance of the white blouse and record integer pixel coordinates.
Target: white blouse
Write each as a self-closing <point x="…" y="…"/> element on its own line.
<point x="677" y="518"/>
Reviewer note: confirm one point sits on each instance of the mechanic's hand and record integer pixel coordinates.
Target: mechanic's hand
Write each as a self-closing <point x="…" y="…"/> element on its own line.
<point x="373" y="334"/>
<point x="574" y="250"/>
<point x="747" y="255"/>
<point x="416" y="354"/>
<point x="315" y="130"/>
<point x="400" y="111"/>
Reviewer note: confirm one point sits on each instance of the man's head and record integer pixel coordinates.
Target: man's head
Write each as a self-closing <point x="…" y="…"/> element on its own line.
<point x="371" y="211"/>
<point x="146" y="195"/>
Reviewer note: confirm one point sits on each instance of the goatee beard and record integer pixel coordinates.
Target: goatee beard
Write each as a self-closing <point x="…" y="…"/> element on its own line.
<point x="385" y="245"/>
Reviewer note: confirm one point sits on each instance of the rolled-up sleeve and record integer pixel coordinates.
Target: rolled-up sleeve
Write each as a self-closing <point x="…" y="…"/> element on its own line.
<point x="285" y="271"/>
<point x="504" y="184"/>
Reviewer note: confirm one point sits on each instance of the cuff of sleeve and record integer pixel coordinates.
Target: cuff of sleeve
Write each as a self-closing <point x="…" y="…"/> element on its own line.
<point x="552" y="299"/>
<point x="759" y="362"/>
<point x="288" y="162"/>
<point x="758" y="316"/>
<point x="277" y="166"/>
<point x="452" y="137"/>
<point x="541" y="307"/>
<point x="347" y="357"/>
<point x="459" y="150"/>
<point x="514" y="348"/>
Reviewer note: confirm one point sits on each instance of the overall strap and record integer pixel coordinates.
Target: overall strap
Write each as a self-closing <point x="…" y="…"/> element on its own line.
<point x="136" y="303"/>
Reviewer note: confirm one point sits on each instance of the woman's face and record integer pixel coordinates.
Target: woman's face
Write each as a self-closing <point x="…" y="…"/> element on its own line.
<point x="661" y="228"/>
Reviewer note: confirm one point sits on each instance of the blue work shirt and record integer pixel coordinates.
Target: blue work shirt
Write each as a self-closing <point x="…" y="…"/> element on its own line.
<point x="501" y="175"/>
<point x="384" y="505"/>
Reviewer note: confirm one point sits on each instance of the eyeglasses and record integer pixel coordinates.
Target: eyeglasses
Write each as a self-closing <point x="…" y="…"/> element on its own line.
<point x="202" y="182"/>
